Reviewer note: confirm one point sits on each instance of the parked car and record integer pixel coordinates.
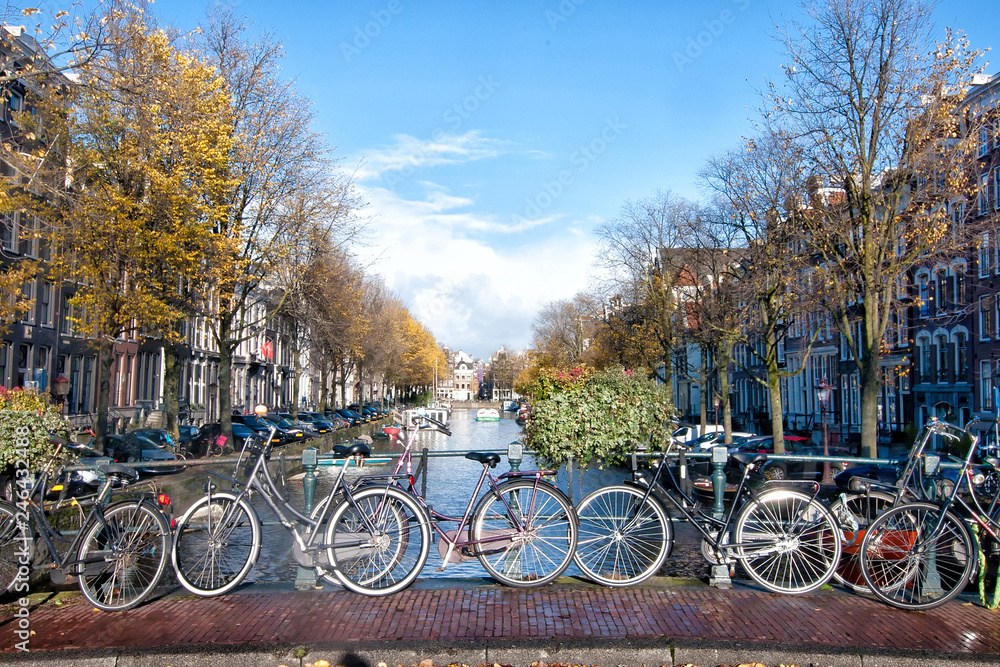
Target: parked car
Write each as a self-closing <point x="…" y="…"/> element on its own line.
<point x="353" y="417"/>
<point x="188" y="434"/>
<point x="289" y="431"/>
<point x="257" y="425"/>
<point x="715" y="438"/>
<point x="944" y="479"/>
<point x="161" y="437"/>
<point x="764" y="444"/>
<point x="811" y="470"/>
<point x="320" y="423"/>
<point x="122" y="448"/>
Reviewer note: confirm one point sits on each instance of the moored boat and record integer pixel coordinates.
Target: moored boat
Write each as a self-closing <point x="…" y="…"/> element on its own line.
<point x="488" y="415"/>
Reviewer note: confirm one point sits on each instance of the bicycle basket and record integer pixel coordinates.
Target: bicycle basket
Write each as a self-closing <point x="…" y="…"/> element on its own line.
<point x="254" y="448"/>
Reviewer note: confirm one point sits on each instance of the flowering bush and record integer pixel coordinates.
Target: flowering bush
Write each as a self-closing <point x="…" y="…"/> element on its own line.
<point x="602" y="415"/>
<point x="26" y="419"/>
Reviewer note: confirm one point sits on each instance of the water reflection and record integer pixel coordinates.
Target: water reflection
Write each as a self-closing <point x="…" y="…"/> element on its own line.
<point x="450" y="481"/>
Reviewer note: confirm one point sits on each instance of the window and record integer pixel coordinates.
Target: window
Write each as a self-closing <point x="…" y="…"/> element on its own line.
<point x="4" y="354"/>
<point x="66" y="315"/>
<point x="10" y="231"/>
<point x="983" y="194"/>
<point x="984" y="140"/>
<point x="46" y="310"/>
<point x="984" y="256"/>
<point x="958" y="294"/>
<point x="941" y="342"/>
<point x="961" y="356"/>
<point x="28" y="294"/>
<point x="29" y="236"/>
<point x="24" y="354"/>
<point x="957" y="215"/>
<point x="996" y="188"/>
<point x="940" y="291"/>
<point x="986" y="384"/>
<point x="924" y="358"/>
<point x="985" y="308"/>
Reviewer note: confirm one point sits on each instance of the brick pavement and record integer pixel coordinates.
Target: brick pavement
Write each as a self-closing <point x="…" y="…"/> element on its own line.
<point x="470" y="612"/>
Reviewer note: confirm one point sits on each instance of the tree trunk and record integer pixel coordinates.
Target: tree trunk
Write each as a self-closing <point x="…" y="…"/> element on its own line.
<point x="870" y="386"/>
<point x="226" y="347"/>
<point x="705" y="391"/>
<point x="171" y="388"/>
<point x="106" y="352"/>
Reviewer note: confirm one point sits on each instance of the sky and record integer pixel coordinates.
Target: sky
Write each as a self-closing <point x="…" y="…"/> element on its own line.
<point x="491" y="140"/>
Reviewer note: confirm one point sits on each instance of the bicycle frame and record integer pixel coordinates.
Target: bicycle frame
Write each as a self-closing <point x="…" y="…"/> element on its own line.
<point x="286" y="514"/>
<point x="406" y="458"/>
<point x="713" y="529"/>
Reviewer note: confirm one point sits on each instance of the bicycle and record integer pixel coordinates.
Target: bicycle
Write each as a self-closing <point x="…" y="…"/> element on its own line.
<point x="371" y="538"/>
<point x="921" y="554"/>
<point x="785" y="539"/>
<point x="523" y="530"/>
<point x="119" y="554"/>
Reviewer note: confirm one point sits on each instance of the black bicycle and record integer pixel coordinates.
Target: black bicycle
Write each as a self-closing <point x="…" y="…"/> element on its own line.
<point x="118" y="555"/>
<point x="784" y="537"/>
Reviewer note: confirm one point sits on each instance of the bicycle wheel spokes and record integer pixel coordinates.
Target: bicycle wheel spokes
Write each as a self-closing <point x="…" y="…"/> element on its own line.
<point x="532" y="542"/>
<point x="854" y="514"/>
<point x="122" y="560"/>
<point x="16" y="544"/>
<point x="380" y="542"/>
<point x="909" y="564"/>
<point x="788" y="542"/>
<point x="217" y="543"/>
<point x="622" y="541"/>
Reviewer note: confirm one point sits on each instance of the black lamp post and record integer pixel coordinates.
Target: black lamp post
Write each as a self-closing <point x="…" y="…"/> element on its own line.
<point x="60" y="387"/>
<point x="823" y="392"/>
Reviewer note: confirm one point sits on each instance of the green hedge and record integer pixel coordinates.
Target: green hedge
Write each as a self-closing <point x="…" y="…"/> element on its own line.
<point x="26" y="419"/>
<point x="599" y="416"/>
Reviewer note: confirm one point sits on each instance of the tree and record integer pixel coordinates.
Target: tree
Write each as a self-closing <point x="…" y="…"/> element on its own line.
<point x="878" y="115"/>
<point x="146" y="141"/>
<point x="756" y="183"/>
<point x="276" y="158"/>
<point x="631" y="255"/>
<point x="562" y="330"/>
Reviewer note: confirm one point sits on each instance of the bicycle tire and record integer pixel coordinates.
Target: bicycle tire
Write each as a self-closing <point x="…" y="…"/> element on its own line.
<point x="122" y="557"/>
<point x="217" y="543"/>
<point x="17" y="545"/>
<point x="860" y="509"/>
<point x="907" y="567"/>
<point x="799" y="541"/>
<point x="619" y="542"/>
<point x="380" y="539"/>
<point x="526" y="560"/>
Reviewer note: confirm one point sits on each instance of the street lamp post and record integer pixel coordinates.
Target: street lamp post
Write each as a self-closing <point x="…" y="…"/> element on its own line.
<point x="823" y="393"/>
<point x="60" y="386"/>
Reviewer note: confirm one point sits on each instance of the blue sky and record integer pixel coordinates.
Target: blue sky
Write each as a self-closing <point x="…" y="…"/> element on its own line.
<point x="491" y="139"/>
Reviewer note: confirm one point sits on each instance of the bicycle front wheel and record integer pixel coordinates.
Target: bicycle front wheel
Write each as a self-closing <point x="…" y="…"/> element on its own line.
<point x="217" y="543"/>
<point x="910" y="562"/>
<point x="622" y="540"/>
<point x="16" y="546"/>
<point x="524" y="533"/>
<point x="787" y="541"/>
<point x="380" y="539"/>
<point x="122" y="558"/>
<point x="854" y="514"/>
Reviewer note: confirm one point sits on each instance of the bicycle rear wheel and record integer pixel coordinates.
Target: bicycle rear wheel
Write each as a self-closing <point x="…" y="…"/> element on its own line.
<point x="122" y="558"/>
<point x="907" y="564"/>
<point x="622" y="540"/>
<point x="854" y="514"/>
<point x="787" y="541"/>
<point x="16" y="546"/>
<point x="380" y="540"/>
<point x="217" y="543"/>
<point x="524" y="534"/>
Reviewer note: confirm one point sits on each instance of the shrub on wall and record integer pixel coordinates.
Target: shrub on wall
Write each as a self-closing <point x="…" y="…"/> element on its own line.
<point x="602" y="415"/>
<point x="26" y="419"/>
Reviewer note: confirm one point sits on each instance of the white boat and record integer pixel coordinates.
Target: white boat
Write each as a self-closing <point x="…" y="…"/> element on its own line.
<point x="488" y="415"/>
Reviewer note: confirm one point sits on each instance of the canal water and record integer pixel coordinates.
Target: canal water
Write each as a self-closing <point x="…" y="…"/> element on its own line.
<point x="450" y="481"/>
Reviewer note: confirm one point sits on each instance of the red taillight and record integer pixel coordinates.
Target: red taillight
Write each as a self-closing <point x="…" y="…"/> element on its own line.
<point x="163" y="499"/>
<point x="173" y="523"/>
<point x="412" y="480"/>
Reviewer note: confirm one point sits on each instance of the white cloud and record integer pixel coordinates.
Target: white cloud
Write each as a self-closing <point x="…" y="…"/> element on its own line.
<point x="409" y="153"/>
<point x="472" y="293"/>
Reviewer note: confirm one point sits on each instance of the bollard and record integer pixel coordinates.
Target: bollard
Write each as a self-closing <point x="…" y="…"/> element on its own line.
<point x="719" y="457"/>
<point x="305" y="577"/>
<point x="515" y="454"/>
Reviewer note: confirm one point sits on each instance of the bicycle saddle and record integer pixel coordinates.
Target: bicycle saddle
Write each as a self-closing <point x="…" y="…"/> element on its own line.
<point x="354" y="449"/>
<point x="119" y="470"/>
<point x="483" y="457"/>
<point x="746" y="458"/>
